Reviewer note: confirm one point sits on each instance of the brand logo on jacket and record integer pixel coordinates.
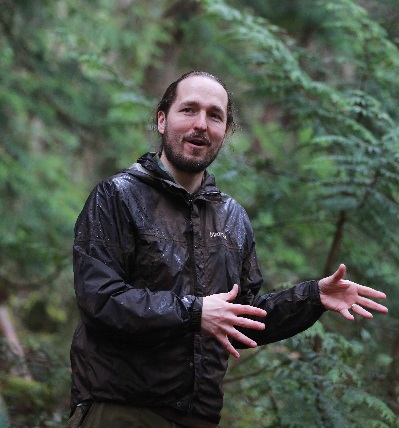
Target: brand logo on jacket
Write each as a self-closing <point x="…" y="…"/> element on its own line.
<point x="216" y="234"/>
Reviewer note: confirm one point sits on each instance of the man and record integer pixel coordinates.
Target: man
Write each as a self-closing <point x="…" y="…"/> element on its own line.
<point x="166" y="279"/>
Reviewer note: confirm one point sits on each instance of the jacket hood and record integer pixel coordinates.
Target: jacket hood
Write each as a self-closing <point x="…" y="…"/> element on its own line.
<point x="148" y="169"/>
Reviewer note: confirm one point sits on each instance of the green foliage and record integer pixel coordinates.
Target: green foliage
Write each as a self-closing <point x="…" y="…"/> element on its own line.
<point x="69" y="116"/>
<point x="315" y="163"/>
<point x="348" y="162"/>
<point x="327" y="149"/>
<point x="41" y="400"/>
<point x="34" y="395"/>
<point x="315" y="379"/>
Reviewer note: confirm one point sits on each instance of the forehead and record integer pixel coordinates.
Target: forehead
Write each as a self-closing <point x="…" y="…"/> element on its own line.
<point x="202" y="89"/>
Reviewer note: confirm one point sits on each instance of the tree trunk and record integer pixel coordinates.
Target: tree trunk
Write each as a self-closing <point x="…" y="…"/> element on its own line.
<point x="332" y="255"/>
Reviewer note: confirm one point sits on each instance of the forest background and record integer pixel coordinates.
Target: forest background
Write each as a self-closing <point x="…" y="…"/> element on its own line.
<point x="315" y="162"/>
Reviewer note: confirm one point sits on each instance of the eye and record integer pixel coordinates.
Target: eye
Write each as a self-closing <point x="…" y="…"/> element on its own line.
<point x="187" y="110"/>
<point x="216" y="116"/>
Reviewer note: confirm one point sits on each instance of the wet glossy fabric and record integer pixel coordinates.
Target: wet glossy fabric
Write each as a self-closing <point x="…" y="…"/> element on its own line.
<point x="145" y="253"/>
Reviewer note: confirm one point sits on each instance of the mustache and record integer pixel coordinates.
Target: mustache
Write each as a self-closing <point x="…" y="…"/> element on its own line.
<point x="198" y="135"/>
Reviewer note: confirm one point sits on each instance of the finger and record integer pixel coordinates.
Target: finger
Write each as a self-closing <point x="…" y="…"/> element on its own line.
<point x="248" y="310"/>
<point x="339" y="273"/>
<point x="357" y="309"/>
<point x="346" y="314"/>
<point x="248" y="323"/>
<point x="370" y="292"/>
<point x="334" y="278"/>
<point x="232" y="294"/>
<point x="370" y="304"/>
<point x="225" y="342"/>
<point x="240" y="337"/>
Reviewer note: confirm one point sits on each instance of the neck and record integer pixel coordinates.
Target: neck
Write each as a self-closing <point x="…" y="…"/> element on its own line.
<point x="191" y="181"/>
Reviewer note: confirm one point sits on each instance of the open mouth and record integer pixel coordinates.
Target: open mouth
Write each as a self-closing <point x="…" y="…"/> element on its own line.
<point x="198" y="141"/>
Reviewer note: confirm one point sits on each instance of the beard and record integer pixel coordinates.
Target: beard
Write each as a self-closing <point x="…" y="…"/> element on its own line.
<point x="172" y="147"/>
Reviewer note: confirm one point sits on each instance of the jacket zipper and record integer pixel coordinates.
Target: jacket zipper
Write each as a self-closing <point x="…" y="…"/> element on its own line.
<point x="195" y="289"/>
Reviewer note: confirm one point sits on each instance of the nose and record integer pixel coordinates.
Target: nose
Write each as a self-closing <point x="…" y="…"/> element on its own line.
<point x="200" y="121"/>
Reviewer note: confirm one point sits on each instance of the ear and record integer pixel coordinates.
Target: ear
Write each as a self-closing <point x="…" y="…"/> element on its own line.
<point x="161" y="122"/>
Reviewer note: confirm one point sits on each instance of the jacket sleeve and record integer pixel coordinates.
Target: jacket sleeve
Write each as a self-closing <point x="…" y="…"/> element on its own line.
<point x="289" y="311"/>
<point x="108" y="302"/>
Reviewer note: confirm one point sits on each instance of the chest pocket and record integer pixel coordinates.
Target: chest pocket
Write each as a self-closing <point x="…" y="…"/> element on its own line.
<point x="223" y="263"/>
<point x="159" y="260"/>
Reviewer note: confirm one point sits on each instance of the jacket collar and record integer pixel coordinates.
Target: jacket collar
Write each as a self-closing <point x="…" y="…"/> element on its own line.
<point x="148" y="168"/>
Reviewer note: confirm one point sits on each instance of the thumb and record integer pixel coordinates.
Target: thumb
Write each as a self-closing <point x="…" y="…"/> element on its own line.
<point x="339" y="273"/>
<point x="333" y="279"/>
<point x="232" y="294"/>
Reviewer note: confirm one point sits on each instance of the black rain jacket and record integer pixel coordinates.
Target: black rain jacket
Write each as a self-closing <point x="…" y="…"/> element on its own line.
<point x="146" y="252"/>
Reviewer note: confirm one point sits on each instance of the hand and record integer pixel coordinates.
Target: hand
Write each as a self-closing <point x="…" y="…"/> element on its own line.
<point x="219" y="318"/>
<point x="340" y="295"/>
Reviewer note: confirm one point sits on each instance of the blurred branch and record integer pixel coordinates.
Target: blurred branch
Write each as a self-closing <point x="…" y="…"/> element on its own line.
<point x="8" y="330"/>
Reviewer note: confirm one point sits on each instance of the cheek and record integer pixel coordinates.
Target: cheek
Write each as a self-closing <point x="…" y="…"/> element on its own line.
<point x="217" y="133"/>
<point x="178" y="128"/>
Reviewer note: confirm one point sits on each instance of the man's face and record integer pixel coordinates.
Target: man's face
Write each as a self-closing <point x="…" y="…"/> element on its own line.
<point x="195" y="128"/>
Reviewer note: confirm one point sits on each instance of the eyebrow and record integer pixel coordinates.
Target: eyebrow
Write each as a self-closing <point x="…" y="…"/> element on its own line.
<point x="212" y="107"/>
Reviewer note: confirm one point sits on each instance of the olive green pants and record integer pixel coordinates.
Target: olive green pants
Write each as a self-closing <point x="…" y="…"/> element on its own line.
<point x="109" y="415"/>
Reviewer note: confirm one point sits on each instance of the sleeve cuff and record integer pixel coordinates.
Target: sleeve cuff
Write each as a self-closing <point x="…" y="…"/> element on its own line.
<point x="315" y="293"/>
